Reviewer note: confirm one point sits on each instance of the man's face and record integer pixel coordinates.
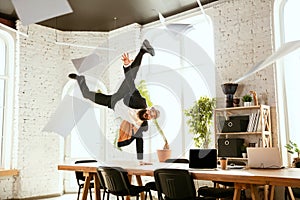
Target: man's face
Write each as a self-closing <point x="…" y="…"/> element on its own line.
<point x="150" y="114"/>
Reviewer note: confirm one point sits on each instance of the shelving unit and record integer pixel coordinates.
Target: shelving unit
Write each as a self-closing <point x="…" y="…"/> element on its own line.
<point x="258" y="131"/>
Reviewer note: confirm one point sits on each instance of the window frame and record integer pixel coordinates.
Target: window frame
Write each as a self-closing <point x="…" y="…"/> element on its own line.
<point x="8" y="129"/>
<point x="282" y="99"/>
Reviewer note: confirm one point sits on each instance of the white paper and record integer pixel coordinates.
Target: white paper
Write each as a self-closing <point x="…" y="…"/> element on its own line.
<point x="33" y="11"/>
<point x="67" y="115"/>
<point x="177" y="28"/>
<point x="180" y="28"/>
<point x="281" y="52"/>
<point x="86" y="63"/>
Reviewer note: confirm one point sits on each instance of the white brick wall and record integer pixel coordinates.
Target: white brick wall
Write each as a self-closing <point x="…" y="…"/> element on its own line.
<point x="243" y="37"/>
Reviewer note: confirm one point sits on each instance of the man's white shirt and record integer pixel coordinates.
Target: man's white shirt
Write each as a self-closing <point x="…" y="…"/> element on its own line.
<point x="127" y="113"/>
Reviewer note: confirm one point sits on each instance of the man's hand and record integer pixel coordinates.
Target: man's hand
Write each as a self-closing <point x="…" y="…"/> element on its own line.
<point x="126" y="60"/>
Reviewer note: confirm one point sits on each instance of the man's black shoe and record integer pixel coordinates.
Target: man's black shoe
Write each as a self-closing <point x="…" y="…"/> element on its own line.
<point x="73" y="76"/>
<point x="148" y="48"/>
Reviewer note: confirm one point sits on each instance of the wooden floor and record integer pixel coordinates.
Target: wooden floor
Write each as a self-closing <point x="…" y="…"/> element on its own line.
<point x="74" y="197"/>
<point x="64" y="197"/>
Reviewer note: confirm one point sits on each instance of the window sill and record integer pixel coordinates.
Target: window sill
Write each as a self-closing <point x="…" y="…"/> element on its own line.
<point x="9" y="172"/>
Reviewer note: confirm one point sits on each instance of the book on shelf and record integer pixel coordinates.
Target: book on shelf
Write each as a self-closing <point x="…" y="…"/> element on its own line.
<point x="253" y="121"/>
<point x="249" y="128"/>
<point x="257" y="118"/>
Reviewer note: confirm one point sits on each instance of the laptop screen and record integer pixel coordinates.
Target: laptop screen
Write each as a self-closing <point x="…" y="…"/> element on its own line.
<point x="203" y="158"/>
<point x="264" y="157"/>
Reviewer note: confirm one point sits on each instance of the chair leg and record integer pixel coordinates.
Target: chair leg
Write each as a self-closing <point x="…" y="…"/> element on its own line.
<point x="78" y="194"/>
<point x="91" y="194"/>
<point x="285" y="194"/>
<point x="103" y="197"/>
<point x="150" y="195"/>
<point x="159" y="196"/>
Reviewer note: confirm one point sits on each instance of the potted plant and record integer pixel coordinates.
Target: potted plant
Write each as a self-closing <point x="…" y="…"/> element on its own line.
<point x="247" y="99"/>
<point x="164" y="153"/>
<point x="293" y="148"/>
<point x="200" y="120"/>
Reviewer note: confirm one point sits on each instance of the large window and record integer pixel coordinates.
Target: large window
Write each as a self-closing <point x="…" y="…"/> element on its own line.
<point x="80" y="144"/>
<point x="287" y="29"/>
<point x="6" y="97"/>
<point x="181" y="71"/>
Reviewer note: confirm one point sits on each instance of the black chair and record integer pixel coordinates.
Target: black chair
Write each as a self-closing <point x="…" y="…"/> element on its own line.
<point x="175" y="184"/>
<point x="103" y="186"/>
<point x="117" y="183"/>
<point x="208" y="191"/>
<point x="296" y="193"/>
<point x="152" y="184"/>
<point x="215" y="193"/>
<point x="80" y="178"/>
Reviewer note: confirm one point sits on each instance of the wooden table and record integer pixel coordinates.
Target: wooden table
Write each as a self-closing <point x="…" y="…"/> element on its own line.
<point x="245" y="178"/>
<point x="9" y="172"/>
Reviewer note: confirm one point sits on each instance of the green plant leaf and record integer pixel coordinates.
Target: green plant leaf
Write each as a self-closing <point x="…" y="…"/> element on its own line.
<point x="200" y="116"/>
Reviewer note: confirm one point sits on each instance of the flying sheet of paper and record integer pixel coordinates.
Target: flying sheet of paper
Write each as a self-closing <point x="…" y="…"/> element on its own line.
<point x="33" y="11"/>
<point x="180" y="28"/>
<point x="86" y="63"/>
<point x="67" y="115"/>
<point x="174" y="27"/>
<point x="281" y="52"/>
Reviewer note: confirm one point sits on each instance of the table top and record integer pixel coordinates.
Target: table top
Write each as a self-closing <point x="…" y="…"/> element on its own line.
<point x="280" y="177"/>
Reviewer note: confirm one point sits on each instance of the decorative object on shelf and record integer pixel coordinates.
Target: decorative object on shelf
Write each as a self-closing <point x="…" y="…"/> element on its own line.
<point x="244" y="150"/>
<point x="230" y="147"/>
<point x="229" y="89"/>
<point x="200" y="120"/>
<point x="247" y="99"/>
<point x="255" y="101"/>
<point x="236" y="102"/>
<point x="293" y="148"/>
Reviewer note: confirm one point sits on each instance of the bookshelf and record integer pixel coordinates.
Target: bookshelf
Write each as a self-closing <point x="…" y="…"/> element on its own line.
<point x="254" y="125"/>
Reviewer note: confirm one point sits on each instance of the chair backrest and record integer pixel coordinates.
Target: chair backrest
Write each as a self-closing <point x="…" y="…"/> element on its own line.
<point x="177" y="160"/>
<point x="78" y="174"/>
<point x="175" y="184"/>
<point x="115" y="180"/>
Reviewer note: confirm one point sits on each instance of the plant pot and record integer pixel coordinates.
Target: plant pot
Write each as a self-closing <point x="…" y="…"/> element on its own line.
<point x="244" y="155"/>
<point x="163" y="154"/>
<point x="247" y="104"/>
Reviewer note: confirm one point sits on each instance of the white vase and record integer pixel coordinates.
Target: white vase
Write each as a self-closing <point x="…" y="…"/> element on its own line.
<point x="247" y="104"/>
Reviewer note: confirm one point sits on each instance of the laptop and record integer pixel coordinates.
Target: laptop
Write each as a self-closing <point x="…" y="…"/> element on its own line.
<point x="264" y="158"/>
<point x="203" y="159"/>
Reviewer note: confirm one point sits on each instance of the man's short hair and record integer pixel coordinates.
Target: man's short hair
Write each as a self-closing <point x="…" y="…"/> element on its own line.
<point x="157" y="112"/>
<point x="141" y="114"/>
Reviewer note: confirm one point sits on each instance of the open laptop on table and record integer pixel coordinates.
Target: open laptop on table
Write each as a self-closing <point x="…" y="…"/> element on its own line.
<point x="203" y="159"/>
<point x="264" y="158"/>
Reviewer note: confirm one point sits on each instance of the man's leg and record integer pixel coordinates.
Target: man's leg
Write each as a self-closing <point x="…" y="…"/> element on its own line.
<point x="128" y="86"/>
<point x="99" y="98"/>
